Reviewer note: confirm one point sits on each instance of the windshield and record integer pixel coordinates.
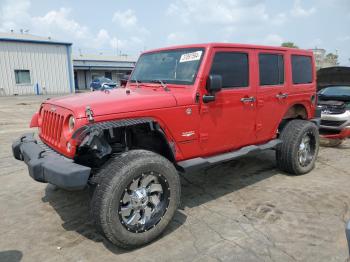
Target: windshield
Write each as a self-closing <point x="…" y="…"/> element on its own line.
<point x="335" y="91"/>
<point x="178" y="66"/>
<point x="105" y="80"/>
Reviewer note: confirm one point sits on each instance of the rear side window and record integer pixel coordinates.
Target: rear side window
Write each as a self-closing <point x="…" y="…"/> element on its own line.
<point x="271" y="69"/>
<point x="233" y="68"/>
<point x="301" y="69"/>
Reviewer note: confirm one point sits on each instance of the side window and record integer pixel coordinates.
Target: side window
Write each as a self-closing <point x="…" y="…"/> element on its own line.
<point x="233" y="68"/>
<point x="22" y="77"/>
<point x="271" y="67"/>
<point x="301" y="69"/>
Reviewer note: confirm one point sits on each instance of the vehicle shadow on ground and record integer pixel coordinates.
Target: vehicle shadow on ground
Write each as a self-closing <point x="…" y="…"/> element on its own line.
<point x="216" y="181"/>
<point x="197" y="188"/>
<point x="74" y="210"/>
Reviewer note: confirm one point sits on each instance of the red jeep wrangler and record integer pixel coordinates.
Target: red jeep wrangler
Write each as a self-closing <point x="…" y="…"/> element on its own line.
<point x="183" y="108"/>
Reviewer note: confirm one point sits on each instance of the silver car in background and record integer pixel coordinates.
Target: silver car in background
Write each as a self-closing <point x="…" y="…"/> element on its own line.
<point x="334" y="101"/>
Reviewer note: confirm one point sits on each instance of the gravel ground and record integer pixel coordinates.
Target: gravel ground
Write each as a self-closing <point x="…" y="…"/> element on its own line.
<point x="244" y="210"/>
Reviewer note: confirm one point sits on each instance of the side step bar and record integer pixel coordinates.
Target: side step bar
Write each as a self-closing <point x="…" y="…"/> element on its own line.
<point x="202" y="162"/>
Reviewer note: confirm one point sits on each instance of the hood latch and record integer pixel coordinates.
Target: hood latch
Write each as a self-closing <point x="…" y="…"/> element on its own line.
<point x="89" y="114"/>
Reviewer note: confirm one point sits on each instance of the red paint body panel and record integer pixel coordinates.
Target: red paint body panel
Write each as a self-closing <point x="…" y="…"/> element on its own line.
<point x="345" y="133"/>
<point x="34" y="122"/>
<point x="210" y="128"/>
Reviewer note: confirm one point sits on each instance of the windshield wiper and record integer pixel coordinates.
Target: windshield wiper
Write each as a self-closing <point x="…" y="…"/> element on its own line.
<point x="163" y="83"/>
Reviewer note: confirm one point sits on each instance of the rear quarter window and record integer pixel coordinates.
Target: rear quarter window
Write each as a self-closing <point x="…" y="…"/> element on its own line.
<point x="301" y="69"/>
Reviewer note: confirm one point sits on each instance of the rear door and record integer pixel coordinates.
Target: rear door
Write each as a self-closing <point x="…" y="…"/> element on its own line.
<point x="228" y="122"/>
<point x="272" y="92"/>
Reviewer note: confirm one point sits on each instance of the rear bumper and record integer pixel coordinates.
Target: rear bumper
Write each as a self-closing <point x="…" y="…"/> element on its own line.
<point x="47" y="167"/>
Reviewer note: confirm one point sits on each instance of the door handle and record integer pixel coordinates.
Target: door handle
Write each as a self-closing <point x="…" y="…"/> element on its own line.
<point x="282" y="95"/>
<point x="248" y="99"/>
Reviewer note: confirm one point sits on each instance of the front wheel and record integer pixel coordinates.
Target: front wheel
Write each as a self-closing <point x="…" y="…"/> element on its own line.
<point x="136" y="198"/>
<point x="299" y="148"/>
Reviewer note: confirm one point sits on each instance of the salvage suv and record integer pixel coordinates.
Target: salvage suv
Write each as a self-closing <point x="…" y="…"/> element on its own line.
<point x="184" y="108"/>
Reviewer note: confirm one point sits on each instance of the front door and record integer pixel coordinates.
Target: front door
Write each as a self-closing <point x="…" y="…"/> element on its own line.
<point x="228" y="123"/>
<point x="272" y="93"/>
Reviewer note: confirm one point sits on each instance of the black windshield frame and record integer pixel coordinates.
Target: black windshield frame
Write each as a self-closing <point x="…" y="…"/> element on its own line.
<point x="134" y="78"/>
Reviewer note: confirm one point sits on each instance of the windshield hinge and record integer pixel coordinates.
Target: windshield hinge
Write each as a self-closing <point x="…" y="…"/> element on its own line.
<point x="197" y="97"/>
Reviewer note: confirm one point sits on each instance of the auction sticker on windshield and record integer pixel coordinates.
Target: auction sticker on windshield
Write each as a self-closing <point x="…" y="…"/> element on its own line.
<point x="191" y="56"/>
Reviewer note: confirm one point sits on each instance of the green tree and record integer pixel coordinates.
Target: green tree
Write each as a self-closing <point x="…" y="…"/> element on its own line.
<point x="289" y="44"/>
<point x="332" y="58"/>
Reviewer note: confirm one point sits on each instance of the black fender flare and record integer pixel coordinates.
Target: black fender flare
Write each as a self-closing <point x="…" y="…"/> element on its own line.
<point x="97" y="128"/>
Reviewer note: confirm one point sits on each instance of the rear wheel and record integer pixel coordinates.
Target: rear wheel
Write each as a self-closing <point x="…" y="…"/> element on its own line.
<point x="136" y="198"/>
<point x="299" y="148"/>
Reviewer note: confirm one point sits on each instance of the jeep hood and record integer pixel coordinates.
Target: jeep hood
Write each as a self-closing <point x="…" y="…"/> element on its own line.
<point x="331" y="76"/>
<point x="115" y="101"/>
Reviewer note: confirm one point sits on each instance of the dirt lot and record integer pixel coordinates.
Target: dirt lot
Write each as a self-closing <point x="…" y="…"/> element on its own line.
<point x="244" y="210"/>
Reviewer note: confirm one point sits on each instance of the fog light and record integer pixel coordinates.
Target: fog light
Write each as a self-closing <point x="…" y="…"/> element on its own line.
<point x="69" y="147"/>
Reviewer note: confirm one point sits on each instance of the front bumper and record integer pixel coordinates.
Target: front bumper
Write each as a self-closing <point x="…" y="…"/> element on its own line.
<point x="343" y="134"/>
<point x="49" y="167"/>
<point x="335" y="126"/>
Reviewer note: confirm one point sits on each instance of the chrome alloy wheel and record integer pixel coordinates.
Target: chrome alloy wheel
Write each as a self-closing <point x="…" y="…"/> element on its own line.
<point x="144" y="202"/>
<point x="306" y="150"/>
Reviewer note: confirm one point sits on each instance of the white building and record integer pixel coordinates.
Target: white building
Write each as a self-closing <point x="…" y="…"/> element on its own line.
<point x="32" y="65"/>
<point x="89" y="67"/>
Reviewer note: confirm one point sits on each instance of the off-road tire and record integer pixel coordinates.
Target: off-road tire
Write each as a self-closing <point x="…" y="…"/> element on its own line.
<point x="287" y="152"/>
<point x="114" y="177"/>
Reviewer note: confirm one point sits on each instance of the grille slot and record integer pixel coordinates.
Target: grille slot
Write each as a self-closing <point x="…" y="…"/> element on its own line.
<point x="331" y="123"/>
<point x="52" y="127"/>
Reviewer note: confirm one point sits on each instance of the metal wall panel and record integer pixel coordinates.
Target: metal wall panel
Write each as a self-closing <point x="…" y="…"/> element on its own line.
<point x="48" y="65"/>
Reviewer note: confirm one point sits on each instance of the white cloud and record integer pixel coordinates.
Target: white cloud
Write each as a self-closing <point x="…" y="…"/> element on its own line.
<point x="315" y="43"/>
<point x="223" y="12"/>
<point x="117" y="43"/>
<point x="280" y="19"/>
<point x="13" y="13"/>
<point x="128" y="21"/>
<point x="299" y="11"/>
<point x="126" y="18"/>
<point x="60" y="24"/>
<point x="176" y="38"/>
<point x="344" y="38"/>
<point x="273" y="39"/>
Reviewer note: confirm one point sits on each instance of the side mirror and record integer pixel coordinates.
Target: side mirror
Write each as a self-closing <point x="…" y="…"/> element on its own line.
<point x="214" y="84"/>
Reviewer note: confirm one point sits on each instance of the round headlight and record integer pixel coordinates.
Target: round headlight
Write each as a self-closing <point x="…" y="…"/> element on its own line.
<point x="71" y="123"/>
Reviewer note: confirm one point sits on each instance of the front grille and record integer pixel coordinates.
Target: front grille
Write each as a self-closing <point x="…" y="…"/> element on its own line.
<point x="51" y="129"/>
<point x="332" y="109"/>
<point x="331" y="123"/>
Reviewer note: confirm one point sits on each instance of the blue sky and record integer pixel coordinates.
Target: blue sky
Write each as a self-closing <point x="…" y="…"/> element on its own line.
<point x="131" y="26"/>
